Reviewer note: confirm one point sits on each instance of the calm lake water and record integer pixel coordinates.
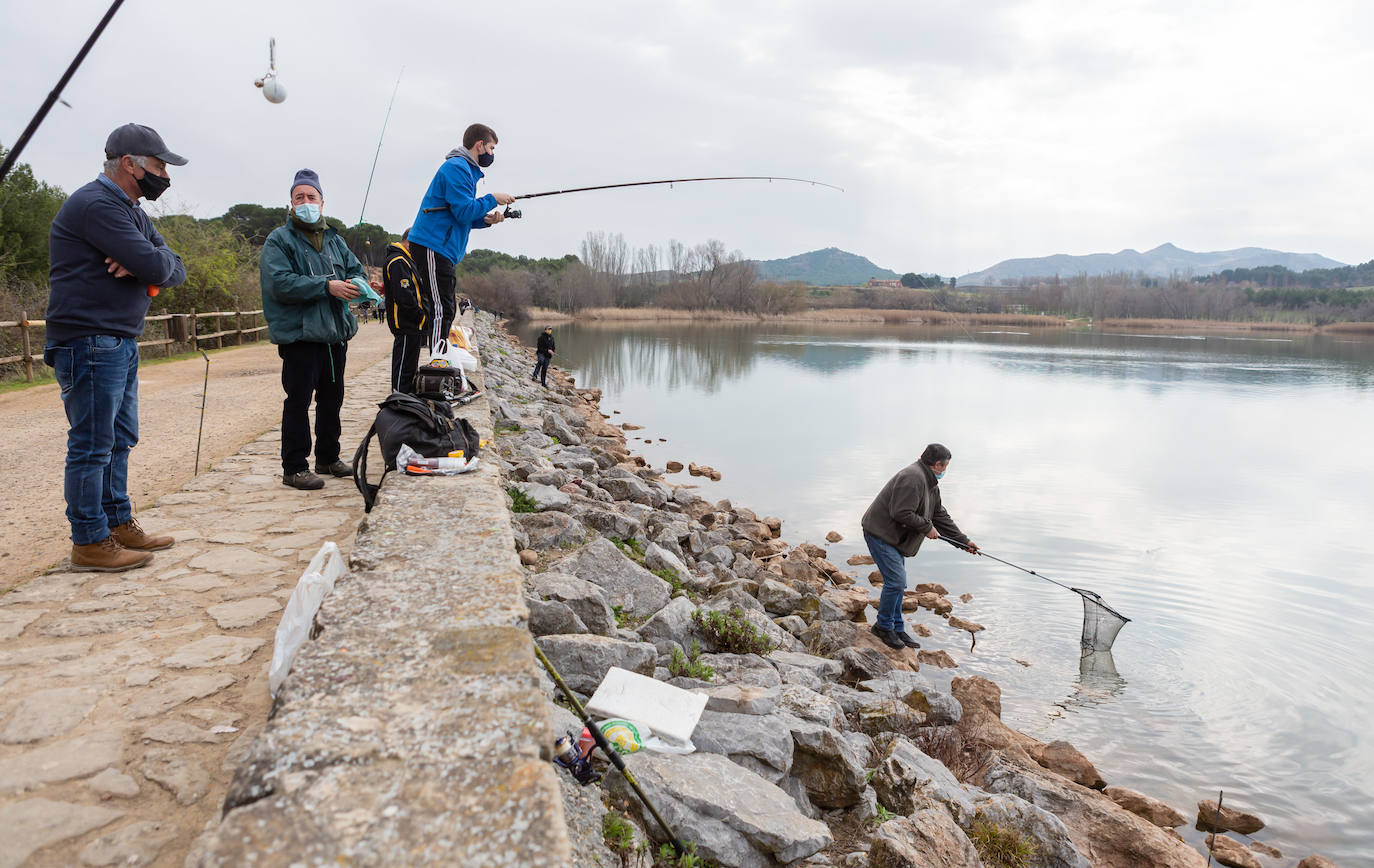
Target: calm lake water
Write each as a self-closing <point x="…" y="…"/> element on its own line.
<point x="1218" y="490"/>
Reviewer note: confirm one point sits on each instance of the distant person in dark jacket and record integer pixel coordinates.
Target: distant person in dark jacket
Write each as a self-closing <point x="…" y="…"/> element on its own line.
<point x="543" y="354"/>
<point x="104" y="256"/>
<point x="449" y="211"/>
<point x="407" y="314"/>
<point x="907" y="512"/>
<point x="308" y="277"/>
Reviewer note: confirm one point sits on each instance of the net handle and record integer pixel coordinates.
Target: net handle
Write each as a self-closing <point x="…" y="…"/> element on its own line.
<point x="1079" y="591"/>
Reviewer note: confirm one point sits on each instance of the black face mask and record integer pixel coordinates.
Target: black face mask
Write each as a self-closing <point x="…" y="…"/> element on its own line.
<point x="486" y="159"/>
<point x="152" y="186"/>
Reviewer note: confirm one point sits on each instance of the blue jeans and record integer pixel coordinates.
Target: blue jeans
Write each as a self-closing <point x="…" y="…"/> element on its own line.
<point x="892" y="565"/>
<point x="98" y="375"/>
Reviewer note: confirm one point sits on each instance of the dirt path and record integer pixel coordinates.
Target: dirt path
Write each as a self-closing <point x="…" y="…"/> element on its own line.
<point x="244" y="399"/>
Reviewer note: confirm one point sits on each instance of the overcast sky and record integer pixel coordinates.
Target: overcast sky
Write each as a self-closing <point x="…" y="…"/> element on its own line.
<point x="963" y="133"/>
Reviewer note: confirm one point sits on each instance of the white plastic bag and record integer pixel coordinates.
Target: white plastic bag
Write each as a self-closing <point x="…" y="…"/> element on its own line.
<point x="416" y="464"/>
<point x="457" y="357"/>
<point x="324" y="570"/>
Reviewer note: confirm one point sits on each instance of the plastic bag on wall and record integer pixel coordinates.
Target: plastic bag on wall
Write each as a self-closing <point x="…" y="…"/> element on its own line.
<point x="296" y="620"/>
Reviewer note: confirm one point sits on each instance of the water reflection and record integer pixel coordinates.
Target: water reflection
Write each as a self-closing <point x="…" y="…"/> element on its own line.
<point x="1098" y="683"/>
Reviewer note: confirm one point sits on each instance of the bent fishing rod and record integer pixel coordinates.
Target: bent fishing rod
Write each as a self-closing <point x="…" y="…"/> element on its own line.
<point x="511" y="213"/>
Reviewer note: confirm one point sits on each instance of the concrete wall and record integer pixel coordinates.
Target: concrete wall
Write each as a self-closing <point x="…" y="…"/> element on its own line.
<point x="412" y="730"/>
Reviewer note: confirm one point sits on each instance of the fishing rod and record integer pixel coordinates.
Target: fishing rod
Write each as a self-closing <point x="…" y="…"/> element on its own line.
<point x="13" y="157"/>
<point x="1079" y="591"/>
<point x="385" y="121"/>
<point x="770" y="178"/>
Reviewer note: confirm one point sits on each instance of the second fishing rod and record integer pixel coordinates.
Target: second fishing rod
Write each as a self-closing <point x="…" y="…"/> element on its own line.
<point x="515" y="214"/>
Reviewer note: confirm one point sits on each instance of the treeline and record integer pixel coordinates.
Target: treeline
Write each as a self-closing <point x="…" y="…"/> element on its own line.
<point x="1280" y="277"/>
<point x="609" y="273"/>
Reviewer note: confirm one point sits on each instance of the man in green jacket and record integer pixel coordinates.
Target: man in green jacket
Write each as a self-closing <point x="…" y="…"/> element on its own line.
<point x="308" y="278"/>
<point x="907" y="512"/>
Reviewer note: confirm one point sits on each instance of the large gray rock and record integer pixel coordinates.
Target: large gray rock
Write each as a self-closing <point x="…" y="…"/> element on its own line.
<point x="741" y="698"/>
<point x="556" y="426"/>
<point x="939" y="707"/>
<point x="606" y="521"/>
<point x="927" y="839"/>
<point x="742" y="669"/>
<point x="751" y="611"/>
<point x="656" y="557"/>
<point x="821" y="667"/>
<point x="830" y="766"/>
<point x="908" y="780"/>
<point x="585" y="599"/>
<point x="545" y="497"/>
<point x="829" y="637"/>
<point x="634" y="589"/>
<point x="777" y="598"/>
<point x="757" y="742"/>
<point x="862" y="664"/>
<point x="672" y="623"/>
<point x="550" y="617"/>
<point x="549" y="530"/>
<point x="809" y="705"/>
<point x="624" y="485"/>
<point x="584" y="660"/>
<point x="1053" y="847"/>
<point x="734" y="816"/>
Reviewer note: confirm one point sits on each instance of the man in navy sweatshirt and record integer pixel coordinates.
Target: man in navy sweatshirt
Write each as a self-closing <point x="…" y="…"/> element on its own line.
<point x="450" y="210"/>
<point x="104" y="257"/>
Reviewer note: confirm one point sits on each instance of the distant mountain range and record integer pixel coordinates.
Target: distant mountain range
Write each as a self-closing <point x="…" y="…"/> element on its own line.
<point x="829" y="267"/>
<point x="1164" y="260"/>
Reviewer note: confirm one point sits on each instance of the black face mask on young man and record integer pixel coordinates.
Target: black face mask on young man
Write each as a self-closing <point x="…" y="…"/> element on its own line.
<point x="152" y="186"/>
<point x="485" y="160"/>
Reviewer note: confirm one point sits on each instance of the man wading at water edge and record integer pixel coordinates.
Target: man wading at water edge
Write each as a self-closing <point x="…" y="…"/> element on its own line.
<point x="104" y="254"/>
<point x="906" y="513"/>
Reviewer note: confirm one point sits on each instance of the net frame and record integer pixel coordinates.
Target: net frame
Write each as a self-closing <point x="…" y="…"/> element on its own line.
<point x="1101" y="623"/>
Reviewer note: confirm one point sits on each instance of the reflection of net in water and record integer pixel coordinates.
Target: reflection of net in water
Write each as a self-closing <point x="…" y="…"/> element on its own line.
<point x="1101" y="622"/>
<point x="1098" y="682"/>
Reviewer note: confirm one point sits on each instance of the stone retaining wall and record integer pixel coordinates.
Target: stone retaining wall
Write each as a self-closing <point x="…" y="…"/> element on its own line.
<point x="412" y="730"/>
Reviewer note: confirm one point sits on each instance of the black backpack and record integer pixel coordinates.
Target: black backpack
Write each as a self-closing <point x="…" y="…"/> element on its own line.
<point x="428" y="427"/>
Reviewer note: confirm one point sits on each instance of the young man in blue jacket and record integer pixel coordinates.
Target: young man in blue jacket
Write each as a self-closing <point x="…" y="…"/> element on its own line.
<point x="104" y="254"/>
<point x="449" y="211"/>
<point x="308" y="277"/>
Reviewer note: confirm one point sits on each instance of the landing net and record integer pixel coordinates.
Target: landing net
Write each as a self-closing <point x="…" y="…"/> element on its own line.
<point x="1101" y="622"/>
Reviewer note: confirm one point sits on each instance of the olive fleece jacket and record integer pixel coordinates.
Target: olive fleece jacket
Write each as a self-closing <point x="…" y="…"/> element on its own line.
<point x="907" y="508"/>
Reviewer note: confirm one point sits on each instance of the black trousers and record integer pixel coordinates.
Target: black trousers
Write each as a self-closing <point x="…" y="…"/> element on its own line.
<point x="438" y="285"/>
<point x="310" y="370"/>
<point x="405" y="358"/>
<point x="541" y="367"/>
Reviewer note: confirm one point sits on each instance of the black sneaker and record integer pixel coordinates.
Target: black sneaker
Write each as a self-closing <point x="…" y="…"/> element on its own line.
<point x="888" y="637"/>
<point x="304" y="480"/>
<point x="338" y="468"/>
<point x="905" y="638"/>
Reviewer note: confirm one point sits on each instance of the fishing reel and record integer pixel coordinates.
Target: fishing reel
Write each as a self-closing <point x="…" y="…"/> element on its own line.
<point x="511" y="213"/>
<point x="568" y="754"/>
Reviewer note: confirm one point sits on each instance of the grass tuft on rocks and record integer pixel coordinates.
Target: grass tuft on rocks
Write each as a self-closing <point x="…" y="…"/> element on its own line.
<point x="618" y="833"/>
<point x="688" y="665"/>
<point x="881" y="817"/>
<point x="731" y="632"/>
<point x="998" y="846"/>
<point x="508" y="428"/>
<point x="668" y="858"/>
<point x="631" y="548"/>
<point x="520" y="501"/>
<point x="679" y="588"/>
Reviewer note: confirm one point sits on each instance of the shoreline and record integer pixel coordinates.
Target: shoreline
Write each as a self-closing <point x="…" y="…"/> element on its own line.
<point x="757" y="561"/>
<point x="655" y="316"/>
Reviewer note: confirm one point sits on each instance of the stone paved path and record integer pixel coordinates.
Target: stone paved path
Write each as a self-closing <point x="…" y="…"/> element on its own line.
<point x="125" y="698"/>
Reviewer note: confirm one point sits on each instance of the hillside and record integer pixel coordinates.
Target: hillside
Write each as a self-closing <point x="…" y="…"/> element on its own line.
<point x="1164" y="260"/>
<point x="829" y="267"/>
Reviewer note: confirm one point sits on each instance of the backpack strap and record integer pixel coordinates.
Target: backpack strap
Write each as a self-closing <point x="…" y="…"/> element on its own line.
<point x="365" y="488"/>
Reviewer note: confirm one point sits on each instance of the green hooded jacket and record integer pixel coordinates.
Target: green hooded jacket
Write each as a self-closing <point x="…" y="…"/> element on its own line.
<point x="295" y="287"/>
<point x="907" y="508"/>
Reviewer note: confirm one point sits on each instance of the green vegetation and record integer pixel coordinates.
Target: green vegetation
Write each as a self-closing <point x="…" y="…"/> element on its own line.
<point x="679" y="588"/>
<point x="731" y="632"/>
<point x="509" y="428"/>
<point x="520" y="501"/>
<point x="687" y="665"/>
<point x="632" y="548"/>
<point x="999" y="846"/>
<point x="881" y="817"/>
<point x="27" y="207"/>
<point x="668" y="858"/>
<point x="618" y="833"/>
<point x="624" y="619"/>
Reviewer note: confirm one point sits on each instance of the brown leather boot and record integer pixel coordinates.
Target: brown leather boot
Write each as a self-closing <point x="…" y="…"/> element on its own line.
<point x="106" y="556"/>
<point x="131" y="536"/>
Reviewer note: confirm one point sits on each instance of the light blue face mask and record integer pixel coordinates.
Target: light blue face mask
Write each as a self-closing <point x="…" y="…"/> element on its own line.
<point x="941" y="474"/>
<point x="308" y="212"/>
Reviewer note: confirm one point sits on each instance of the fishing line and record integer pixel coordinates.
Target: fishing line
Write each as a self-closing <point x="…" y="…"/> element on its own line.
<point x="380" y="138"/>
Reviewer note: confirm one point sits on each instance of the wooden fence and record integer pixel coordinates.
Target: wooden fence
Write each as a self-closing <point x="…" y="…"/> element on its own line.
<point x="180" y="328"/>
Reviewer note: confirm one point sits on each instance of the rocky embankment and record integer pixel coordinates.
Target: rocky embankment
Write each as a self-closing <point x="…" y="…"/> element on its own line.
<point x="819" y="745"/>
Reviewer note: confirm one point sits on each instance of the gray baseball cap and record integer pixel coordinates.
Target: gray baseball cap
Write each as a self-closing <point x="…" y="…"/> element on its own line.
<point x="140" y="141"/>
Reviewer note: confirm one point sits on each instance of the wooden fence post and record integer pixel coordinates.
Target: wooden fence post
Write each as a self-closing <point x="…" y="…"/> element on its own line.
<point x="238" y="327"/>
<point x="195" y="341"/>
<point x="28" y="345"/>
